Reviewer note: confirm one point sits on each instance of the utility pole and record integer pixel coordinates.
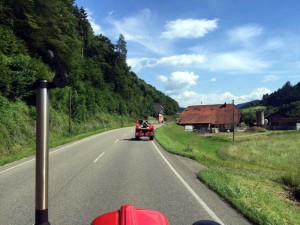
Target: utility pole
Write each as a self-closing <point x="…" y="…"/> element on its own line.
<point x="233" y="120"/>
<point x="70" y="110"/>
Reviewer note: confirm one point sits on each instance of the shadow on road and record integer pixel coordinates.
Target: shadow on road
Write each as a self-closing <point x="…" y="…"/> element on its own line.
<point x="133" y="139"/>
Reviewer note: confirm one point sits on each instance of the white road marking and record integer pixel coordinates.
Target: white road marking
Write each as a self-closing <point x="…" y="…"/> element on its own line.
<point x="199" y="200"/>
<point x="99" y="157"/>
<point x="116" y="141"/>
<point x="56" y="150"/>
<point x="3" y="171"/>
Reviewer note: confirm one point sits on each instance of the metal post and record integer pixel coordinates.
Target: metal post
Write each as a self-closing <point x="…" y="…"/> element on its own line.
<point x="42" y="153"/>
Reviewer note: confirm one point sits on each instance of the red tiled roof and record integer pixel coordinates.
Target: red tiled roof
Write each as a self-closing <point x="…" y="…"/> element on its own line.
<point x="210" y="114"/>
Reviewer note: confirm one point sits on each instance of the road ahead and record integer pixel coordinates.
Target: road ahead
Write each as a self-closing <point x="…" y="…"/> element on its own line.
<point x="100" y="173"/>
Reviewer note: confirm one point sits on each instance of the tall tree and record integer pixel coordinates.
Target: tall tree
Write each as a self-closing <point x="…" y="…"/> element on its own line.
<point x="121" y="47"/>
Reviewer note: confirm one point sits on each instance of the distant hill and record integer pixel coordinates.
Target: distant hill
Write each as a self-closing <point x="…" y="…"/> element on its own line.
<point x="249" y="104"/>
<point x="285" y="100"/>
<point x="181" y="109"/>
<point x="285" y="95"/>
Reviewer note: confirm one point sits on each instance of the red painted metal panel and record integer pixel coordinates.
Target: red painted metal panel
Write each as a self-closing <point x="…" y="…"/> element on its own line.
<point x="128" y="215"/>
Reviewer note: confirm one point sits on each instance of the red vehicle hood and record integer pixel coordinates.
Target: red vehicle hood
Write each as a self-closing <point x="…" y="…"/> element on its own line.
<point x="128" y="215"/>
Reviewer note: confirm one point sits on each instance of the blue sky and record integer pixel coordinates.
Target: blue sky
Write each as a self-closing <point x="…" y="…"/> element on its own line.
<point x="205" y="51"/>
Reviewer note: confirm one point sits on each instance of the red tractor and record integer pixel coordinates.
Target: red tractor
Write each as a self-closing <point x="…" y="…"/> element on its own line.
<point x="144" y="129"/>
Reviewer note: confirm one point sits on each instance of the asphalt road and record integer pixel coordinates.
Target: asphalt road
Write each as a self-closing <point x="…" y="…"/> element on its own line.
<point x="100" y="173"/>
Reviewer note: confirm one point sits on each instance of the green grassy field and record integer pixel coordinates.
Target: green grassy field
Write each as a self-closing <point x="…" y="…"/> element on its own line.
<point x="259" y="173"/>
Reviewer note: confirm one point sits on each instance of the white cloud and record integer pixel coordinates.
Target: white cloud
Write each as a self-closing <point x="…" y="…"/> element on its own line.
<point x="96" y="27"/>
<point x="232" y="62"/>
<point x="184" y="60"/>
<point x="137" y="64"/>
<point x="186" y="98"/>
<point x="188" y="28"/>
<point x="185" y="78"/>
<point x="245" y="34"/>
<point x="254" y="95"/>
<point x="213" y="79"/>
<point x="139" y="28"/>
<point x="178" y="81"/>
<point x="132" y="27"/>
<point x="181" y="60"/>
<point x="163" y="78"/>
<point x="241" y="61"/>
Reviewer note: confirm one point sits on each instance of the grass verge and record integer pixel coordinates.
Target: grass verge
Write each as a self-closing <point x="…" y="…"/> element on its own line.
<point x="256" y="174"/>
<point x="59" y="134"/>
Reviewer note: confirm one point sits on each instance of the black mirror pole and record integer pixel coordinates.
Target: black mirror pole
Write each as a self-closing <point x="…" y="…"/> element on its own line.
<point x="42" y="152"/>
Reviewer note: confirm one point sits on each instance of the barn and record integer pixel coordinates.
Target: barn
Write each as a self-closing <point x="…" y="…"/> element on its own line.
<point x="207" y="117"/>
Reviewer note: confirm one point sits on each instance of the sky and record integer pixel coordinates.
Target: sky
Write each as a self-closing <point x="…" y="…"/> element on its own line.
<point x="205" y="51"/>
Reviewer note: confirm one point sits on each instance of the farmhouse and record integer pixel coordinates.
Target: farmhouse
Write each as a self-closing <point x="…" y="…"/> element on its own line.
<point x="278" y="121"/>
<point x="206" y="117"/>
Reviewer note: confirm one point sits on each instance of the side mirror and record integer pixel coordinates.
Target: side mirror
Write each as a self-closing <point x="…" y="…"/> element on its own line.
<point x="60" y="79"/>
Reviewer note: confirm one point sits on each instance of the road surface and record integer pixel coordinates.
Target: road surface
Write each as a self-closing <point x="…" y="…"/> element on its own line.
<point x="100" y="173"/>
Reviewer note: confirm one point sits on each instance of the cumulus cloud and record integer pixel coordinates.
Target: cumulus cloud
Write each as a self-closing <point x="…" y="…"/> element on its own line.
<point x="188" y="28"/>
<point x="178" y="81"/>
<point x="137" y="64"/>
<point x="163" y="78"/>
<point x="181" y="60"/>
<point x="187" y="98"/>
<point x="96" y="27"/>
<point x="184" y="60"/>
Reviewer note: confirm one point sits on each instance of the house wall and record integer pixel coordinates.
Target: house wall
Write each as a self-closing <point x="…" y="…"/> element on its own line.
<point x="160" y="118"/>
<point x="283" y="126"/>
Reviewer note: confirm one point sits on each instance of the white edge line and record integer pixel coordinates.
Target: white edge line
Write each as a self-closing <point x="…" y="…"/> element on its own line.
<point x="3" y="171"/>
<point x="199" y="200"/>
<point x="99" y="157"/>
<point x="116" y="141"/>
<point x="56" y="150"/>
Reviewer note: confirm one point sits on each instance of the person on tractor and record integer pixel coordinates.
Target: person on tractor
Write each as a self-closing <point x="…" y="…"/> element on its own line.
<point x="146" y="124"/>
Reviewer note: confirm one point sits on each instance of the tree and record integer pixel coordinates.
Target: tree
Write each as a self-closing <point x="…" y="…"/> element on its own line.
<point x="121" y="47"/>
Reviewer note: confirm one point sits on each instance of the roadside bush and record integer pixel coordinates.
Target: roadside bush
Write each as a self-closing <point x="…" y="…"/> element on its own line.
<point x="5" y="141"/>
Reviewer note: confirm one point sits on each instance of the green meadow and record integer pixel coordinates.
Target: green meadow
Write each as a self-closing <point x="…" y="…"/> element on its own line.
<point x="258" y="173"/>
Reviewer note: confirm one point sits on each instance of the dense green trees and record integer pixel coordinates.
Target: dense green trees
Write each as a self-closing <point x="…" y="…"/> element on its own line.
<point x="285" y="100"/>
<point x="100" y="79"/>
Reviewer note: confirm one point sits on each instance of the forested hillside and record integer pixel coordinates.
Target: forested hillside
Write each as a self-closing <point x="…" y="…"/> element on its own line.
<point x="101" y="82"/>
<point x="285" y="100"/>
<point x="99" y="75"/>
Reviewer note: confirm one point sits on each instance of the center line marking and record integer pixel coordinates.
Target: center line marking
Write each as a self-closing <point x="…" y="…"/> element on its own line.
<point x="188" y="187"/>
<point x="117" y="141"/>
<point x="99" y="157"/>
